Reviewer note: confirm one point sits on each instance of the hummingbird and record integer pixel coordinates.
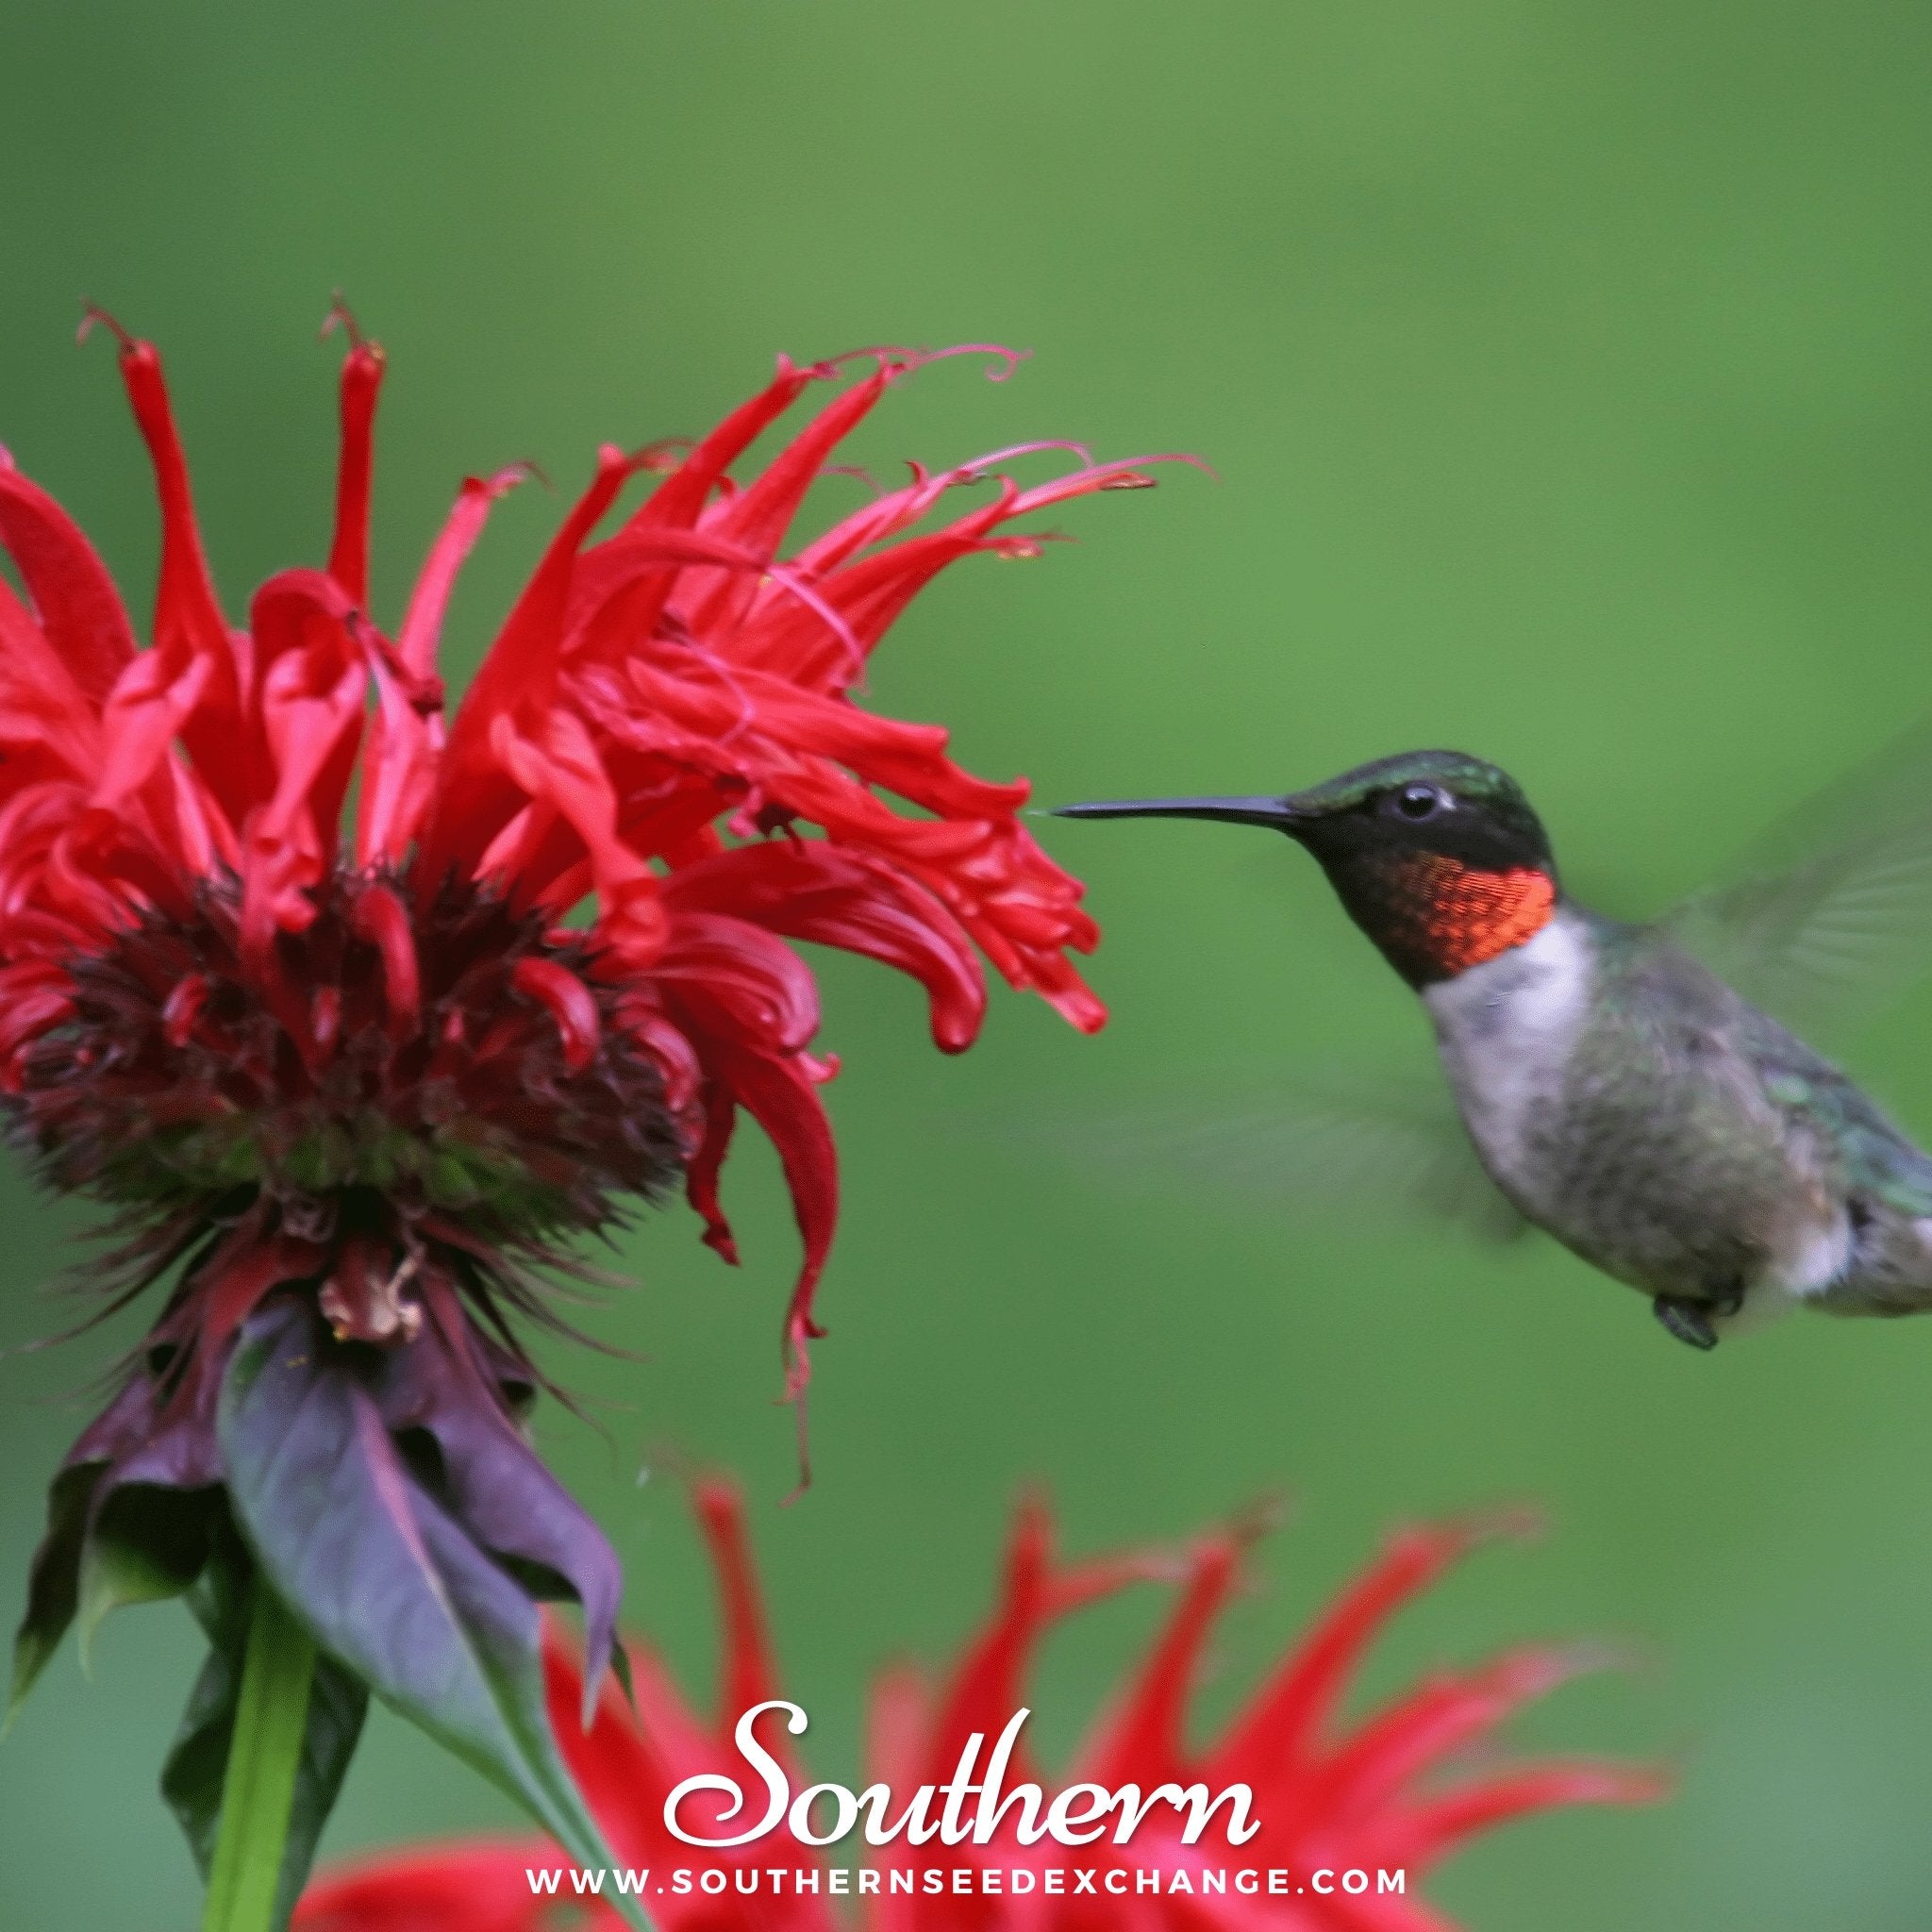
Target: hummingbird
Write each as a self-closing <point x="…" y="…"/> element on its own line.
<point x="1617" y="1088"/>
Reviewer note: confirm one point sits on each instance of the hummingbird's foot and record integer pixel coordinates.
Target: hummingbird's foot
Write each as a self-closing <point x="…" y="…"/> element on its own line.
<point x="1690" y="1321"/>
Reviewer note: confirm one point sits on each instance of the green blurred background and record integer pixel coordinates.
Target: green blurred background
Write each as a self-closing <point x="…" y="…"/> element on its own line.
<point x="1566" y="371"/>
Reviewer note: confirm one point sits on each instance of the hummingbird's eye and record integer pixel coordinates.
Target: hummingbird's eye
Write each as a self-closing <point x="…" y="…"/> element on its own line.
<point x="1419" y="801"/>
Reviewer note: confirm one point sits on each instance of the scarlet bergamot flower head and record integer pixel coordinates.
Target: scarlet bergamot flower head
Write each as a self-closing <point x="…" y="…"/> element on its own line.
<point x="1392" y="1793"/>
<point x="358" y="1017"/>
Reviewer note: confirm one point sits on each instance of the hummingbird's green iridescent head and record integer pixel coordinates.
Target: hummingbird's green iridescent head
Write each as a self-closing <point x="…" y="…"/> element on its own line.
<point x="1433" y="801"/>
<point x="1437" y="855"/>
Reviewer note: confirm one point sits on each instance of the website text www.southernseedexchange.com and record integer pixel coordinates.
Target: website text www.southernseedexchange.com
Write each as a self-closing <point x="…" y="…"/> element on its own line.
<point x="1247" y="1881"/>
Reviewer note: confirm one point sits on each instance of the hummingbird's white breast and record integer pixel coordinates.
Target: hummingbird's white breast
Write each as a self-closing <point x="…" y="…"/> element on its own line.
<point x="1506" y="1030"/>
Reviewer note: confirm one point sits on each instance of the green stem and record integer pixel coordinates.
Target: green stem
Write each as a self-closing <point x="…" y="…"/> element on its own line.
<point x="258" y="1787"/>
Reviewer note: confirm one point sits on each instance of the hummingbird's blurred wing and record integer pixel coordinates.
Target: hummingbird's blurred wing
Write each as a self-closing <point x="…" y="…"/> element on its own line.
<point x="1827" y="918"/>
<point x="1361" y="1146"/>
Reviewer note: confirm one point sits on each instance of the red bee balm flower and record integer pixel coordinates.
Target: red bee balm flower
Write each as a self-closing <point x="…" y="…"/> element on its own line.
<point x="1330" y="1802"/>
<point x="284" y="980"/>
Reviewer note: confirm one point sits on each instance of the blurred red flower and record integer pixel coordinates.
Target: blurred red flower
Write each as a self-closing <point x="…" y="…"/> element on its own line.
<point x="1382" y="1794"/>
<point x="359" y="1020"/>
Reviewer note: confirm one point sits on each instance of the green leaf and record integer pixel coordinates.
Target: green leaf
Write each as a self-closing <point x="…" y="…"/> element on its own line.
<point x="386" y="1579"/>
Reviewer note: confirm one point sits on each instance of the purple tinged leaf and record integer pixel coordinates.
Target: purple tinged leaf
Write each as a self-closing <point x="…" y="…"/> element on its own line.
<point x="493" y="1484"/>
<point x="389" y="1581"/>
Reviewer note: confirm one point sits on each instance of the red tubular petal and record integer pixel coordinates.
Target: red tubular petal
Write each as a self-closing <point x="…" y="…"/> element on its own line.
<point x="348" y="553"/>
<point x="1283" y="1722"/>
<point x="398" y="773"/>
<point x="182" y="1009"/>
<point x="407" y="734"/>
<point x="885" y="517"/>
<point x="383" y="920"/>
<point x="628" y="1757"/>
<point x="188" y="619"/>
<point x="74" y="597"/>
<point x="311" y="710"/>
<point x="568" y="1001"/>
<point x="749" y="1672"/>
<point x="1144" y="1742"/>
<point x="563" y="773"/>
<point x="868" y="596"/>
<point x="613" y="1767"/>
<point x="622" y="586"/>
<point x="416" y="643"/>
<point x="49" y="727"/>
<point x="104" y="862"/>
<point x="988" y="1684"/>
<point x="739" y="984"/>
<point x="898" y="1716"/>
<point x="771" y="712"/>
<point x="518" y="676"/>
<point x="759" y="517"/>
<point x="677" y="501"/>
<point x="30" y="1007"/>
<point x="816" y="891"/>
<point x="706" y="1165"/>
<point x="1438" y="1718"/>
<point x="672" y="1052"/>
<point x="148" y="707"/>
<point x="1443" y="1823"/>
<point x="308" y="657"/>
<point x="1123" y="473"/>
<point x="779" y="1095"/>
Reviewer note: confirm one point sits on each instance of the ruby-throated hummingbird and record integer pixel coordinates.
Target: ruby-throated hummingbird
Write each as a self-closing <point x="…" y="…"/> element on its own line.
<point x="1619" y="1091"/>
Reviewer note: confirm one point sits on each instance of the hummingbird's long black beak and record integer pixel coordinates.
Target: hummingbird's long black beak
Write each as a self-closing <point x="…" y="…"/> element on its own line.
<point x="1279" y="813"/>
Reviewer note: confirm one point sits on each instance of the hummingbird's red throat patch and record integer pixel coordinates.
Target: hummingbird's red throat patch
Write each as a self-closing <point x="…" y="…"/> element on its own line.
<point x="1459" y="915"/>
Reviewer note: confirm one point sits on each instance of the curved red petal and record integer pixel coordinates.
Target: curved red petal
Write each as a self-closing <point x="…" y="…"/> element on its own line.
<point x="780" y="1094"/>
<point x="702" y="1172"/>
<point x="739" y="984"/>
<point x="383" y="920"/>
<point x="568" y="1001"/>
<point x="75" y="598"/>
<point x="818" y="892"/>
<point x="749" y="1674"/>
